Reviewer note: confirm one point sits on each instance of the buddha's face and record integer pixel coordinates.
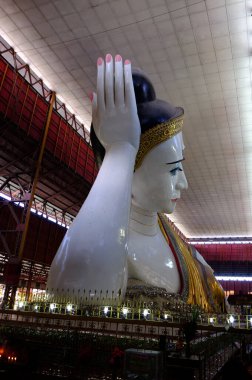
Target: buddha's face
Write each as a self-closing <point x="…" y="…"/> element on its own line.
<point x="158" y="182"/>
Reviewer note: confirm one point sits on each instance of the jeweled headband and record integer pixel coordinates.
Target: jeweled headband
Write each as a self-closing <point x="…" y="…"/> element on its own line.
<point x="156" y="135"/>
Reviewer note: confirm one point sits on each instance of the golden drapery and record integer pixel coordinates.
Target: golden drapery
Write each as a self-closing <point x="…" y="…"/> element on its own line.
<point x="200" y="286"/>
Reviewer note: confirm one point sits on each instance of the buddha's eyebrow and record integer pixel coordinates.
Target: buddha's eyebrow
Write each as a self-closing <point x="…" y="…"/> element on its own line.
<point x="175" y="162"/>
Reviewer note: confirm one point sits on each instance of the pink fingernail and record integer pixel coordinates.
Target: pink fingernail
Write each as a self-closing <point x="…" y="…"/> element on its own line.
<point x="99" y="61"/>
<point x="127" y="62"/>
<point x="108" y="58"/>
<point x="91" y="96"/>
<point x="118" y="58"/>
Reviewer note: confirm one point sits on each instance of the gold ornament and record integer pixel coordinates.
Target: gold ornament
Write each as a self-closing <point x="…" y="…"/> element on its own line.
<point x="156" y="135"/>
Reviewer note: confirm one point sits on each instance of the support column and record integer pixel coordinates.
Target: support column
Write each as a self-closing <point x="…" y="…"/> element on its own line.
<point x="36" y="177"/>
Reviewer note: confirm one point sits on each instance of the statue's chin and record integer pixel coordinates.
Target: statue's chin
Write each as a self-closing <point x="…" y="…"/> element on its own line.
<point x="167" y="210"/>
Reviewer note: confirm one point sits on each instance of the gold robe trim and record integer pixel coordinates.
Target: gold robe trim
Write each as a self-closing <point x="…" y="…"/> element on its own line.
<point x="199" y="283"/>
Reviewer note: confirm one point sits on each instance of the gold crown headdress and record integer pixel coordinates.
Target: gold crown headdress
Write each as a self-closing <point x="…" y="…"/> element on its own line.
<point x="156" y="135"/>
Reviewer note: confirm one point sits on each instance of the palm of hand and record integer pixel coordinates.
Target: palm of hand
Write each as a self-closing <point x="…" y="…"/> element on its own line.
<point x="114" y="108"/>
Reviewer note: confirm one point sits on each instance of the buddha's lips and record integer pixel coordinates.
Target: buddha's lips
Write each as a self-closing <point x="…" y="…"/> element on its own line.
<point x="174" y="200"/>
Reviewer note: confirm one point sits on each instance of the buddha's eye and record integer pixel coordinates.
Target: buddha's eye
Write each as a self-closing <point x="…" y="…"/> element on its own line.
<point x="174" y="171"/>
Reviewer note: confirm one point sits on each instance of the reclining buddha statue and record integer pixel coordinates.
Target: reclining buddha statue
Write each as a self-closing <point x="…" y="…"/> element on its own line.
<point x="120" y="232"/>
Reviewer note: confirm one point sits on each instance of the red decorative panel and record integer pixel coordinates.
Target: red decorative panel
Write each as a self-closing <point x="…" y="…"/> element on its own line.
<point x="225" y="252"/>
<point x="43" y="240"/>
<point x="26" y="108"/>
<point x="237" y="287"/>
<point x="11" y="274"/>
<point x="43" y="237"/>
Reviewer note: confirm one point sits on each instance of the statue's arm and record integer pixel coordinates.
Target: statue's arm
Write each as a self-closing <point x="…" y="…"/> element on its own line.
<point x="116" y="124"/>
<point x="94" y="248"/>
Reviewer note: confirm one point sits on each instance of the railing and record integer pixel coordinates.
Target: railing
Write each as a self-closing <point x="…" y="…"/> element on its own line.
<point x="212" y="348"/>
<point x="137" y="311"/>
<point x="111" y="325"/>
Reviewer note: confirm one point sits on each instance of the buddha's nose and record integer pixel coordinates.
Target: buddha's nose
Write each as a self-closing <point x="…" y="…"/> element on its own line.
<point x="182" y="183"/>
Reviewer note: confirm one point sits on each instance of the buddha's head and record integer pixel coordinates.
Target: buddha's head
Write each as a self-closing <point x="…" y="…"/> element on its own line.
<point x="158" y="175"/>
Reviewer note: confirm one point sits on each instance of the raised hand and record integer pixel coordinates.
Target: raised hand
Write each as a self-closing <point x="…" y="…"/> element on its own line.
<point x="93" y="254"/>
<point x="114" y="108"/>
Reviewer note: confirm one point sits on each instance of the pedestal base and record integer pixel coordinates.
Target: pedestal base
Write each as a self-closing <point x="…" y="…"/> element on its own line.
<point x="154" y="297"/>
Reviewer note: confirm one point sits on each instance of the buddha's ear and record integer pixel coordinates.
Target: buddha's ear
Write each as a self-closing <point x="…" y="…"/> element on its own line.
<point x="98" y="149"/>
<point x="183" y="144"/>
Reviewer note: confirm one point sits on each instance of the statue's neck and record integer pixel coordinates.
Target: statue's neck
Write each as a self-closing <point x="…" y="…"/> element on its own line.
<point x="143" y="221"/>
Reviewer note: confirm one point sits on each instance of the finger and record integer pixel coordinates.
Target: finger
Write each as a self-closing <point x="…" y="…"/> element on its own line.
<point x="109" y="82"/>
<point x="130" y="98"/>
<point x="100" y="84"/>
<point x="119" y="81"/>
